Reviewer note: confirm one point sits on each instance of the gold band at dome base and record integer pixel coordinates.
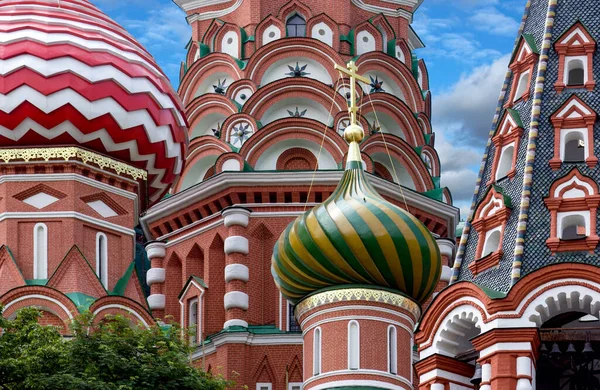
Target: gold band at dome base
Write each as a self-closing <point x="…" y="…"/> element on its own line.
<point x="72" y="153"/>
<point x="357" y="294"/>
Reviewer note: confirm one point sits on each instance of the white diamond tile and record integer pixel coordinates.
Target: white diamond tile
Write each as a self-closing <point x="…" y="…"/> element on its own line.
<point x="102" y="208"/>
<point x="40" y="200"/>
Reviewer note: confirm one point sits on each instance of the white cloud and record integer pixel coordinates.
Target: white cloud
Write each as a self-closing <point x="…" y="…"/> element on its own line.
<point x="462" y="117"/>
<point x="494" y="22"/>
<point x="465" y="111"/>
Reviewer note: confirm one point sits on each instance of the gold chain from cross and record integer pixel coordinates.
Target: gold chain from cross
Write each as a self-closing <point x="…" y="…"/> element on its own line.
<point x="351" y="70"/>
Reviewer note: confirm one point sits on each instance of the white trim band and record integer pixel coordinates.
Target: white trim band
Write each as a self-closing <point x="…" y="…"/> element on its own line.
<point x="236" y="216"/>
<point x="155" y="275"/>
<point x="156" y="301"/>
<point x="230" y="323"/>
<point x="235" y="300"/>
<point x="236" y="244"/>
<point x="156" y="249"/>
<point x="237" y="272"/>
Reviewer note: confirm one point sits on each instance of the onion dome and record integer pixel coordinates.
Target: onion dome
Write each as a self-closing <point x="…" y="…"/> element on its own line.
<point x="356" y="237"/>
<point x="71" y="76"/>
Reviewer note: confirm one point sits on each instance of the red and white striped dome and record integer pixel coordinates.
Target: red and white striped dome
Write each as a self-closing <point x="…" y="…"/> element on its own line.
<point x="69" y="75"/>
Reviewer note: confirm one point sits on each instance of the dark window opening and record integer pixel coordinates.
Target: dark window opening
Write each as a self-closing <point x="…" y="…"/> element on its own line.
<point x="575" y="151"/>
<point x="296" y="26"/>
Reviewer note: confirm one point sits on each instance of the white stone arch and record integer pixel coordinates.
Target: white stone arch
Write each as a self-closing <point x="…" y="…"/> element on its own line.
<point x="207" y="85"/>
<point x="207" y="123"/>
<point x="279" y="70"/>
<point x="195" y="174"/>
<point x="387" y="123"/>
<point x="268" y="159"/>
<point x="308" y="108"/>
<point x="323" y="33"/>
<point x="403" y="176"/>
<point x="566" y="295"/>
<point x="230" y="44"/>
<point x="365" y="42"/>
<point x="456" y="329"/>
<point x="400" y="54"/>
<point x="389" y="85"/>
<point x="271" y="33"/>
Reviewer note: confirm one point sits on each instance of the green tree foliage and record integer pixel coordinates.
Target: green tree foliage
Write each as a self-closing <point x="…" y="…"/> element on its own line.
<point x="110" y="354"/>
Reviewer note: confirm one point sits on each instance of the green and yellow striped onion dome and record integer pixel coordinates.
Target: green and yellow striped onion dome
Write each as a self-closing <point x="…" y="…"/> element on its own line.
<point x="356" y="237"/>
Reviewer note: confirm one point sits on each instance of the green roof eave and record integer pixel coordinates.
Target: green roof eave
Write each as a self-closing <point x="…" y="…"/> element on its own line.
<point x="200" y="281"/>
<point x="247" y="167"/>
<point x="507" y="200"/>
<point x="436" y="181"/>
<point x="36" y="282"/>
<point x="435" y="194"/>
<point x="81" y="300"/>
<point x="516" y="116"/>
<point x="490" y="292"/>
<point x="428" y="139"/>
<point x="122" y="283"/>
<point x="531" y="42"/>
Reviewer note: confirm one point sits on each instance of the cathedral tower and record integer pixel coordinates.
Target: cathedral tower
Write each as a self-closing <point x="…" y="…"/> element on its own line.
<point x="267" y="111"/>
<point x="528" y="257"/>
<point x="91" y="133"/>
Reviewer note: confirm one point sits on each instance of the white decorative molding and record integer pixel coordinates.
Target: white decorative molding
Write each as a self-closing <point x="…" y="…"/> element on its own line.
<point x="122" y="307"/>
<point x="226" y="180"/>
<point x="236" y="272"/>
<point x="446" y="246"/>
<point x="235" y="300"/>
<point x="230" y="323"/>
<point x="155" y="275"/>
<point x="156" y="249"/>
<point x="446" y="274"/>
<point x="437" y="373"/>
<point x="156" y="301"/>
<point x="42" y="297"/>
<point x="358" y="383"/>
<point x="236" y="244"/>
<point x="64" y="215"/>
<point x="236" y="216"/>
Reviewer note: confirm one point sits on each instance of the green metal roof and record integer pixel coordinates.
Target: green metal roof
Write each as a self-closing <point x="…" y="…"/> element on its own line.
<point x="81" y="300"/>
<point x="36" y="282"/>
<point x="122" y="283"/>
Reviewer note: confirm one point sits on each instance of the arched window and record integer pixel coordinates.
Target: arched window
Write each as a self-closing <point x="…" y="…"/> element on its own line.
<point x="102" y="258"/>
<point x="40" y="251"/>
<point x="492" y="242"/>
<point x="576" y="73"/>
<point x="574" y="144"/>
<point x="506" y="162"/>
<point x="193" y="321"/>
<point x="392" y="350"/>
<point x="573" y="227"/>
<point x="522" y="86"/>
<point x="296" y="26"/>
<point x="353" y="345"/>
<point x="317" y="352"/>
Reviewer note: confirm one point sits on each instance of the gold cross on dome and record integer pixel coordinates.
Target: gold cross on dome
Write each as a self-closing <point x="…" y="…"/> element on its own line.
<point x="351" y="70"/>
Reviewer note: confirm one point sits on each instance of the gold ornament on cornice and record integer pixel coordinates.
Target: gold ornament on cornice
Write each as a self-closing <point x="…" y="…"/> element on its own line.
<point x="69" y="153"/>
<point x="357" y="294"/>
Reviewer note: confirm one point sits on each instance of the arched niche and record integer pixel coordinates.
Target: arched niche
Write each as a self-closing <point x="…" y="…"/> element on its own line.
<point x="268" y="159"/>
<point x="195" y="173"/>
<point x="280" y="70"/>
<point x="388" y="85"/>
<point x="289" y="107"/>
<point x="206" y="125"/>
<point x="219" y="79"/>
<point x="402" y="173"/>
<point x="386" y="124"/>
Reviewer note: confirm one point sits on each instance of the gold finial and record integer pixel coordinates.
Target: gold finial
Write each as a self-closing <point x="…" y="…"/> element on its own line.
<point x="353" y="133"/>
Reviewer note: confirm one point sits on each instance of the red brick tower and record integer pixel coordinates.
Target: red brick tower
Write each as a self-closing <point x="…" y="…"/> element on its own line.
<point x="267" y="110"/>
<point x="91" y="133"/>
<point x="357" y="267"/>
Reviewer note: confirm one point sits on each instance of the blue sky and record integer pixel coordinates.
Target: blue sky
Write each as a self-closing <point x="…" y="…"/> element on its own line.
<point x="468" y="47"/>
